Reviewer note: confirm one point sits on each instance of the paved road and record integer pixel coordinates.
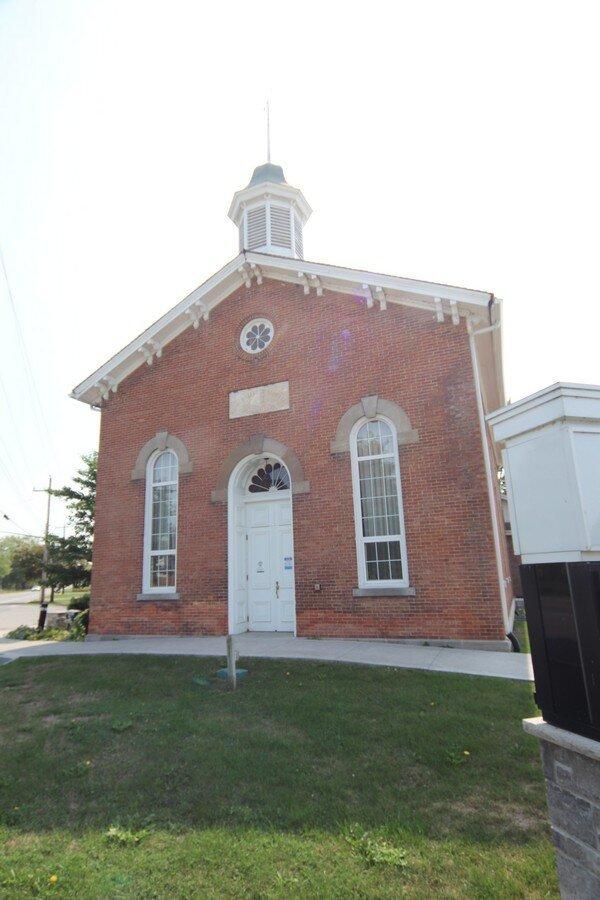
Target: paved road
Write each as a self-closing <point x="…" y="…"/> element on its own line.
<point x="17" y="609"/>
<point x="18" y="598"/>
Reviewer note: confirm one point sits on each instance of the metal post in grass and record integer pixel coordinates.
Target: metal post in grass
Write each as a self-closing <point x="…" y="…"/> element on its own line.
<point x="231" y="673"/>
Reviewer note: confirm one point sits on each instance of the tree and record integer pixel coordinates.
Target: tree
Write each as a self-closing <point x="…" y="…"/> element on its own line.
<point x="6" y="549"/>
<point x="82" y="502"/>
<point x="70" y="558"/>
<point x="20" y="561"/>
<point x="69" y="561"/>
<point x="16" y="561"/>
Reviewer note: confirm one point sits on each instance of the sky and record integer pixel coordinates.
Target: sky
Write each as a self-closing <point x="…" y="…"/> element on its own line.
<point x="453" y="142"/>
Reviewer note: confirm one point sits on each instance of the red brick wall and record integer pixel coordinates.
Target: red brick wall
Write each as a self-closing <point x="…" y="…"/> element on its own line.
<point x="333" y="351"/>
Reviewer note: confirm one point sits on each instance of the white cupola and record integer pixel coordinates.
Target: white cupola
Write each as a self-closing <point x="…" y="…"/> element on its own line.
<point x="270" y="214"/>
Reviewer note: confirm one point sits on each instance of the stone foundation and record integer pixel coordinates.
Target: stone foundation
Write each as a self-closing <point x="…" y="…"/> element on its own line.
<point x="571" y="766"/>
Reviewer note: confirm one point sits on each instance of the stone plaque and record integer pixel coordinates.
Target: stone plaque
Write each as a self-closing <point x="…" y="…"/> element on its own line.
<point x="263" y="399"/>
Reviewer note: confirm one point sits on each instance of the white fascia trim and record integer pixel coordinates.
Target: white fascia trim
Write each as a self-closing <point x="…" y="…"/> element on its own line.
<point x="556" y="391"/>
<point x="492" y="485"/>
<point x="488" y="349"/>
<point x="478" y="299"/>
<point x="218" y="287"/>
<point x="497" y="347"/>
<point x="173" y="323"/>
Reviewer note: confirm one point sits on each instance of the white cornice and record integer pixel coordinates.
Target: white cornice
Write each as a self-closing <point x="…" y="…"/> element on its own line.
<point x="268" y="189"/>
<point x="165" y="329"/>
<point x="448" y="303"/>
<point x="562" y="401"/>
<point x="374" y="279"/>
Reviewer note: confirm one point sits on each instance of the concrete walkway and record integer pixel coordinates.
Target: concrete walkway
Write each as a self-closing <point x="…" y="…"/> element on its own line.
<point x="283" y="646"/>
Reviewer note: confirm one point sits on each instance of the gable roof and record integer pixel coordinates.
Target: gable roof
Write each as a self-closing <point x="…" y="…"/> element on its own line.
<point x="480" y="307"/>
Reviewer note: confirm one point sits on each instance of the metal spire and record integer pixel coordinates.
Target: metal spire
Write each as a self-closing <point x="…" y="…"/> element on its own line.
<point x="268" y="135"/>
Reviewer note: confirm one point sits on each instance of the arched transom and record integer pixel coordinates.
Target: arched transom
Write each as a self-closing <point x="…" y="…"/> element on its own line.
<point x="269" y="476"/>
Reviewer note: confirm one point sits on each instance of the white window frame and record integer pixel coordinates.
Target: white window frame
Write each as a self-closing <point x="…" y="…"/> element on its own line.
<point x="148" y="552"/>
<point x="363" y="581"/>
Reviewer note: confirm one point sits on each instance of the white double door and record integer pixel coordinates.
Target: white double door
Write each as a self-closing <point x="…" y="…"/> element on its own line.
<point x="270" y="565"/>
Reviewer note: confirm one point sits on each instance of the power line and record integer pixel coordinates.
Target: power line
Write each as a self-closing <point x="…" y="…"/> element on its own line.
<point x="3" y="466"/>
<point x="9" y="456"/>
<point x="13" y="481"/>
<point x="15" y="429"/>
<point x="63" y="528"/>
<point x="8" y="519"/>
<point x="15" y="476"/>
<point x="28" y="368"/>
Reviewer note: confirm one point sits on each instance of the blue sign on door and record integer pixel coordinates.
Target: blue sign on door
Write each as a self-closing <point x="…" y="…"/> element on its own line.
<point x="287" y="562"/>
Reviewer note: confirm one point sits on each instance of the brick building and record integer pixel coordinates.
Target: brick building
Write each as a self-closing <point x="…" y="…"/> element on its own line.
<point x="301" y="447"/>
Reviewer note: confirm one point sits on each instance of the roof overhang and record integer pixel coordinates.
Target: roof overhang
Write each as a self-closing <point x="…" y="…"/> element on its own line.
<point x="563" y="401"/>
<point x="489" y="354"/>
<point x="194" y="310"/>
<point x="270" y="189"/>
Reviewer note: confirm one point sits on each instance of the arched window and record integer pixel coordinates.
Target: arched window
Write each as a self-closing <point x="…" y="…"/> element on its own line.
<point x="160" y="539"/>
<point x="380" y="540"/>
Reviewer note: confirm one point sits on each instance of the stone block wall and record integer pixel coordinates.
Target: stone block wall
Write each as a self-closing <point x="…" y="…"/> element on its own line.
<point x="572" y="769"/>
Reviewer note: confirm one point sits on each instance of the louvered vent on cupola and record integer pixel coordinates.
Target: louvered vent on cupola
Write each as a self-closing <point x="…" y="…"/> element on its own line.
<point x="256" y="228"/>
<point x="281" y="227"/>
<point x="298" y="237"/>
<point x="270" y="213"/>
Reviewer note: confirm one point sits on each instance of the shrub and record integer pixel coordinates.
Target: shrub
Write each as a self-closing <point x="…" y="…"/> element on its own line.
<point x="80" y="624"/>
<point x="77" y="632"/>
<point x="80" y="603"/>
<point x="22" y="633"/>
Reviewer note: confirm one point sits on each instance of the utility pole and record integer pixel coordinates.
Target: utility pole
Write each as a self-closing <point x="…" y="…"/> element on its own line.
<point x="43" y="603"/>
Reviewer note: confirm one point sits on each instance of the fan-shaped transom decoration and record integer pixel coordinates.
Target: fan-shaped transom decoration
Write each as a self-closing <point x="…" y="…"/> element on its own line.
<point x="270" y="476"/>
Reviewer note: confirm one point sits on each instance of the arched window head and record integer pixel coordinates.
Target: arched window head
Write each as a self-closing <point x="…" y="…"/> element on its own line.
<point x="380" y="540"/>
<point x="270" y="476"/>
<point x="160" y="538"/>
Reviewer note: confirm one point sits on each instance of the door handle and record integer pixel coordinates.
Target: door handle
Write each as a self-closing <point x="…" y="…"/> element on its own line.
<point x="277" y="589"/>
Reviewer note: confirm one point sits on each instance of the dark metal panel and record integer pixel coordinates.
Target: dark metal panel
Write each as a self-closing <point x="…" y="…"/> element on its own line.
<point x="562" y="602"/>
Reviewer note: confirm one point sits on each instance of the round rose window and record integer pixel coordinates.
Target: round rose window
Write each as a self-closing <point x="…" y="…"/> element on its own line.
<point x="256" y="335"/>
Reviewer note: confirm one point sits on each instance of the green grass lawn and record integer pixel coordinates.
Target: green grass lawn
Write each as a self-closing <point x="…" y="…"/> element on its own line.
<point x="125" y="777"/>
<point x="60" y="598"/>
<point x="520" y="629"/>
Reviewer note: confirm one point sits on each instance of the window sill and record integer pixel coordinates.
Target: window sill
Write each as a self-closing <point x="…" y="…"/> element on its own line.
<point x="384" y="592"/>
<point x="166" y="595"/>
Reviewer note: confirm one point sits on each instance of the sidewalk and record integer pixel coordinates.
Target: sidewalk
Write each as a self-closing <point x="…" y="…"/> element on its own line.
<point x="283" y="646"/>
